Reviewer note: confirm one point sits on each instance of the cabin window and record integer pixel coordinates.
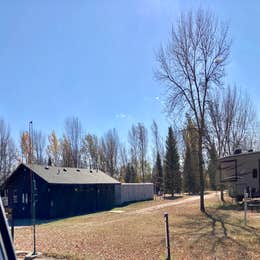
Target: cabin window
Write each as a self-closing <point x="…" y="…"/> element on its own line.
<point x="25" y="198"/>
<point x="15" y="197"/>
<point x="254" y="173"/>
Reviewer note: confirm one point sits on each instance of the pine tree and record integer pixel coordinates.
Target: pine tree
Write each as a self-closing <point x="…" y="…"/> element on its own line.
<point x="133" y="174"/>
<point x="172" y="178"/>
<point x="158" y="174"/>
<point x="191" y="159"/>
<point x="212" y="167"/>
<point x="130" y="174"/>
<point x="188" y="177"/>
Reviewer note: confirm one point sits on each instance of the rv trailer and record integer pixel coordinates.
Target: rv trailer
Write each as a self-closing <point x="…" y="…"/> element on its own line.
<point x="240" y="172"/>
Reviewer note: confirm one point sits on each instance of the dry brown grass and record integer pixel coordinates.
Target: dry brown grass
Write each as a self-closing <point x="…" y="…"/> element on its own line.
<point x="136" y="234"/>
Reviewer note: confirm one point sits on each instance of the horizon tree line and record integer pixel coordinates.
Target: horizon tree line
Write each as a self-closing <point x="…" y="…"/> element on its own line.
<point x="214" y="120"/>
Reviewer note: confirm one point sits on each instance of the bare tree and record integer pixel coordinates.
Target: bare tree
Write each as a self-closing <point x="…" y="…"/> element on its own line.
<point x="90" y="150"/>
<point x="232" y="122"/>
<point x="7" y="151"/>
<point x="123" y="161"/>
<point x="142" y="147"/>
<point x="123" y="156"/>
<point x="73" y="132"/>
<point x="157" y="141"/>
<point x="133" y="146"/>
<point x="191" y="65"/>
<point x="39" y="146"/>
<point x="110" y="144"/>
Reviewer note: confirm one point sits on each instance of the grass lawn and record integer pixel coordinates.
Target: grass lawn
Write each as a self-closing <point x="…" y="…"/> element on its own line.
<point x="136" y="231"/>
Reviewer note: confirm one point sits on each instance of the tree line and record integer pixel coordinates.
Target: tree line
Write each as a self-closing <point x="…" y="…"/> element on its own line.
<point x="214" y="120"/>
<point x="172" y="165"/>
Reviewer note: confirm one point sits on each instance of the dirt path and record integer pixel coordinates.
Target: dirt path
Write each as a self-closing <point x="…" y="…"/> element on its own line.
<point x="168" y="204"/>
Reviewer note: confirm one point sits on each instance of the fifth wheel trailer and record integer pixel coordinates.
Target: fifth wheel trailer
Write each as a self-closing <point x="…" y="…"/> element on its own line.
<point x="240" y="172"/>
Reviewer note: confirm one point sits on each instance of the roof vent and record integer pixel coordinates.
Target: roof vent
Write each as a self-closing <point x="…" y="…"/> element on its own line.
<point x="78" y="170"/>
<point x="46" y="168"/>
<point x="237" y="151"/>
<point x="64" y="169"/>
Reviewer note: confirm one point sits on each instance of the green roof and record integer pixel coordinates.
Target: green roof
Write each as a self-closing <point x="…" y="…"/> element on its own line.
<point x="65" y="175"/>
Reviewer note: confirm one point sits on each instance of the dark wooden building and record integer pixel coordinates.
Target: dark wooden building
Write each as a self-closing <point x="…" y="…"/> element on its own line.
<point x="59" y="192"/>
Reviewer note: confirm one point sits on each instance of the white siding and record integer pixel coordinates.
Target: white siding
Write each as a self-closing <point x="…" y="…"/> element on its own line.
<point x="134" y="192"/>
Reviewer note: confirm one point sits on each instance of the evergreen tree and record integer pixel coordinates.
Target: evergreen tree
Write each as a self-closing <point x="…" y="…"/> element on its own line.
<point x="133" y="174"/>
<point x="158" y="174"/>
<point x="188" y="177"/>
<point x="191" y="159"/>
<point x="212" y="167"/>
<point x="172" y="177"/>
<point x="148" y="172"/>
<point x="130" y="174"/>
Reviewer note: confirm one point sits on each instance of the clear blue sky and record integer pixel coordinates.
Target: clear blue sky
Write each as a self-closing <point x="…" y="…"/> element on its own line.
<point x="95" y="59"/>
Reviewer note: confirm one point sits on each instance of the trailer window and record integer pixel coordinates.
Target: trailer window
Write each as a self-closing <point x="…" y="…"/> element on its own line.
<point x="254" y="173"/>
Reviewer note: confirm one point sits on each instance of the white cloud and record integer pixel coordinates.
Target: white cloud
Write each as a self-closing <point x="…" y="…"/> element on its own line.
<point x="121" y="115"/>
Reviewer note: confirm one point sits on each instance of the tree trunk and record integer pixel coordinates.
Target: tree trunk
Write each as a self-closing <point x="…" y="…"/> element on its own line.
<point x="202" y="206"/>
<point x="222" y="194"/>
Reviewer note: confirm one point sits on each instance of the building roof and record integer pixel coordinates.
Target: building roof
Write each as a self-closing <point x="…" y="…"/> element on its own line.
<point x="239" y="155"/>
<point x="65" y="175"/>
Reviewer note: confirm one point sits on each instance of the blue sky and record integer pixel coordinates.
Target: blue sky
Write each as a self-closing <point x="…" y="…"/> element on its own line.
<point x="95" y="60"/>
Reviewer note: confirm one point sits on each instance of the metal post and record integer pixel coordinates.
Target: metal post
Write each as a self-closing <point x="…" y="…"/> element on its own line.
<point x="34" y="228"/>
<point x="245" y="207"/>
<point x="33" y="186"/>
<point x="167" y="239"/>
<point x="12" y="225"/>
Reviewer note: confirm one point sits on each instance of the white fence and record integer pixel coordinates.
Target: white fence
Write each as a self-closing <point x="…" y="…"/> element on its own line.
<point x="129" y="192"/>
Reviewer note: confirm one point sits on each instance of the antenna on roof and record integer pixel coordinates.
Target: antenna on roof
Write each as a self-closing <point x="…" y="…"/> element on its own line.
<point x="33" y="185"/>
<point x="30" y="154"/>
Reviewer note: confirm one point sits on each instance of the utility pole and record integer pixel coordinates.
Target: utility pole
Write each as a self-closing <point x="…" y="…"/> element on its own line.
<point x="33" y="186"/>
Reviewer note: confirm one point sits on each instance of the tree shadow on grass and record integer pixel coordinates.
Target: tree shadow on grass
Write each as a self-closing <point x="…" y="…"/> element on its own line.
<point x="231" y="206"/>
<point x="29" y="222"/>
<point x="220" y="240"/>
<point x="170" y="197"/>
<point x="217" y="234"/>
